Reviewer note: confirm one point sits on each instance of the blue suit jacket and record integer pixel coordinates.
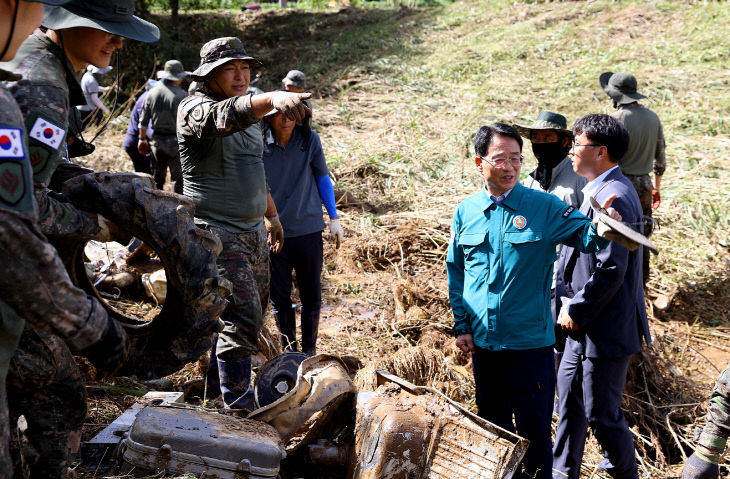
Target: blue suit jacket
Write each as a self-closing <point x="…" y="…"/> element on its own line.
<point x="606" y="290"/>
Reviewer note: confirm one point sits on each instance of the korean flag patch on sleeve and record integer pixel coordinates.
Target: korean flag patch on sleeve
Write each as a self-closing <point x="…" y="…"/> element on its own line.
<point x="47" y="133"/>
<point x="11" y="142"/>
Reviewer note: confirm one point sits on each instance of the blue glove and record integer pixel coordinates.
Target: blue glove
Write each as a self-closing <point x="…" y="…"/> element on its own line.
<point x="699" y="466"/>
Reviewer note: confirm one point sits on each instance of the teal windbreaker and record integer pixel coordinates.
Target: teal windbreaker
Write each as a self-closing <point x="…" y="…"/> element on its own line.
<point x="500" y="265"/>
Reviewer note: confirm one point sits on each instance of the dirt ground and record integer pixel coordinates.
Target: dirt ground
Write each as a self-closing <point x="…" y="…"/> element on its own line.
<point x="385" y="298"/>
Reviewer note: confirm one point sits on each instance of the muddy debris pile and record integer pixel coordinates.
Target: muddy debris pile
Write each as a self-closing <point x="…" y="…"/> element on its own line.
<point x="410" y="248"/>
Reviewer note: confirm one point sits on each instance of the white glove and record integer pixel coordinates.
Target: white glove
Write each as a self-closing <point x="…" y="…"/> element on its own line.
<point x="291" y="104"/>
<point x="336" y="231"/>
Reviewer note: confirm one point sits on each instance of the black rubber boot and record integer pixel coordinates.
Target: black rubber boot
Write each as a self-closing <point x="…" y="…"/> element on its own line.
<point x="287" y="324"/>
<point x="235" y="382"/>
<point x="310" y="329"/>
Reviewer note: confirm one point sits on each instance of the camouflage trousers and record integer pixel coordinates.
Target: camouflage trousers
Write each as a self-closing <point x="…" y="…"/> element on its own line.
<point x="165" y="153"/>
<point x="46" y="386"/>
<point x="244" y="261"/>
<point x="714" y="436"/>
<point x="644" y="187"/>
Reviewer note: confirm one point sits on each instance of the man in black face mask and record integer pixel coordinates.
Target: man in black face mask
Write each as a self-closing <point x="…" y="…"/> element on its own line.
<point x="551" y="141"/>
<point x="554" y="174"/>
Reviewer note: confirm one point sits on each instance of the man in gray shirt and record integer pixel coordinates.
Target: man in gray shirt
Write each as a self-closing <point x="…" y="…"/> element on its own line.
<point x="551" y="142"/>
<point x="646" y="145"/>
<point x="161" y="107"/>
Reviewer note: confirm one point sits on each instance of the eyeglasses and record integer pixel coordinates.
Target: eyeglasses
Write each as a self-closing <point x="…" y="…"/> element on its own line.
<point x="573" y="144"/>
<point x="500" y="162"/>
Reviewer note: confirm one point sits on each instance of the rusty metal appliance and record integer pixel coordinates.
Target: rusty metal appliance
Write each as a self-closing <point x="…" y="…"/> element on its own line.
<point x="405" y="431"/>
<point x="168" y="439"/>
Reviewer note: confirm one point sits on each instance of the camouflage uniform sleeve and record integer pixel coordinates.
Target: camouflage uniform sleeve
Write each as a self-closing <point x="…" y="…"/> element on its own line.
<point x="202" y="117"/>
<point x="59" y="218"/>
<point x="660" y="161"/>
<point x="714" y="436"/>
<point x="50" y="103"/>
<point x="36" y="285"/>
<point x="46" y="102"/>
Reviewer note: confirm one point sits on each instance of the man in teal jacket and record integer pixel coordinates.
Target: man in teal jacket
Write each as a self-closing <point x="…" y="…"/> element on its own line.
<point x="500" y="267"/>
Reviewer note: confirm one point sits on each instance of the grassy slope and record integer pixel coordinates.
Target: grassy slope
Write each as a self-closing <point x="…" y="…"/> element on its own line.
<point x="410" y="113"/>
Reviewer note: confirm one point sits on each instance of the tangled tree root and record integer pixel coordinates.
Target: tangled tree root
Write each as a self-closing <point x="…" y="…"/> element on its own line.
<point x="423" y="366"/>
<point x="660" y="406"/>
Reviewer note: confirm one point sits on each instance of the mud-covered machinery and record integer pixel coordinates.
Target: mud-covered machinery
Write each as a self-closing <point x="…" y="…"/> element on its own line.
<point x="323" y="428"/>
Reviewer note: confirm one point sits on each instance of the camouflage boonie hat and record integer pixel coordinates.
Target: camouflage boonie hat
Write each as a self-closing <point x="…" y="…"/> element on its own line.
<point x="546" y="120"/>
<point x="295" y="78"/>
<point x="219" y="51"/>
<point x="621" y="87"/>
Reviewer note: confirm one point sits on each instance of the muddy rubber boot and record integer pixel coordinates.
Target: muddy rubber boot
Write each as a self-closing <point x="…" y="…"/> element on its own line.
<point x="287" y="324"/>
<point x="235" y="382"/>
<point x="310" y="329"/>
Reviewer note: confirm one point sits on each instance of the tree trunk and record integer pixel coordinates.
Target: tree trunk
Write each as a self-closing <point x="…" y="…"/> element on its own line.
<point x="174" y="7"/>
<point x="282" y="3"/>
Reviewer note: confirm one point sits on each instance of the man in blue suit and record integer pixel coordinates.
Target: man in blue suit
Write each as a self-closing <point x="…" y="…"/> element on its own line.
<point x="600" y="303"/>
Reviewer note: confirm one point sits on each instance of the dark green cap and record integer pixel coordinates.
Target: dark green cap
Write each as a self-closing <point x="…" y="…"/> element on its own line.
<point x="115" y="17"/>
<point x="546" y="120"/>
<point x="621" y="87"/>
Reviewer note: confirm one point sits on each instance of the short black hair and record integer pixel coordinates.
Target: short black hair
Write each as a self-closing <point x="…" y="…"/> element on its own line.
<point x="604" y="130"/>
<point x="486" y="133"/>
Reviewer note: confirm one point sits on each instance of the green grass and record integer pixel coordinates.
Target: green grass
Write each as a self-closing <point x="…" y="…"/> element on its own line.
<point x="445" y="71"/>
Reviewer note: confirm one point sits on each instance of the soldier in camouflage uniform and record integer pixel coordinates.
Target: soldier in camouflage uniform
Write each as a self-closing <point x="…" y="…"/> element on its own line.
<point x="160" y="107"/>
<point x="646" y="145"/>
<point x="31" y="267"/>
<point x="44" y="383"/>
<point x="16" y="199"/>
<point x="220" y="150"/>
<point x="50" y="88"/>
<point x="703" y="463"/>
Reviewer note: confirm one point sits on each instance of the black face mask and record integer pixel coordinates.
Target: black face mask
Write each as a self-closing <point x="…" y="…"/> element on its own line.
<point x="548" y="155"/>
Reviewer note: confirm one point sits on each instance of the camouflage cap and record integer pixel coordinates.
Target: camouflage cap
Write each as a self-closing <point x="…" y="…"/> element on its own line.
<point x="219" y="51"/>
<point x="295" y="78"/>
<point x="115" y="17"/>
<point x="621" y="87"/>
<point x="546" y="120"/>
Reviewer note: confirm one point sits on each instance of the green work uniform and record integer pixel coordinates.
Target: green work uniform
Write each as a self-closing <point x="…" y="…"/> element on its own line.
<point x="220" y="150"/>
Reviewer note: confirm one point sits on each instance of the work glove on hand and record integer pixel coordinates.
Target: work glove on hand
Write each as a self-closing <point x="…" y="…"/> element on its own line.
<point x="700" y="466"/>
<point x="290" y="104"/>
<point x="109" y="353"/>
<point x="143" y="147"/>
<point x="336" y="232"/>
<point x="656" y="199"/>
<point x="276" y="233"/>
